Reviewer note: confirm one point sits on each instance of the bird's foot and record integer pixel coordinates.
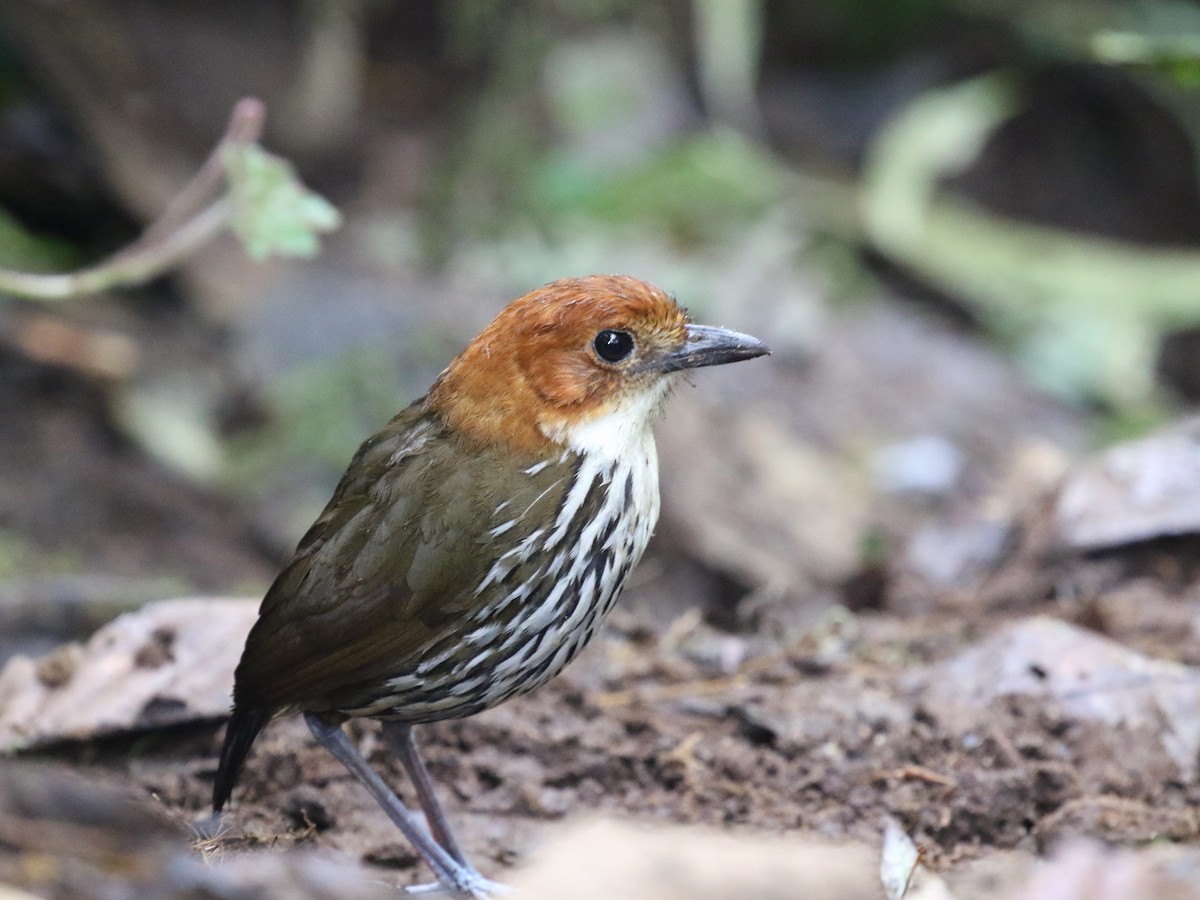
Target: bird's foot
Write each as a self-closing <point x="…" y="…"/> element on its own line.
<point x="467" y="883"/>
<point x="208" y="827"/>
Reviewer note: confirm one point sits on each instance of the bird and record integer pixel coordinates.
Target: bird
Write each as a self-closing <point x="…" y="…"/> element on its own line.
<point x="477" y="542"/>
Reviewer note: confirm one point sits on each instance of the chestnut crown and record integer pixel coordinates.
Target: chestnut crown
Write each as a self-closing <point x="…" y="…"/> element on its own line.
<point x="571" y="354"/>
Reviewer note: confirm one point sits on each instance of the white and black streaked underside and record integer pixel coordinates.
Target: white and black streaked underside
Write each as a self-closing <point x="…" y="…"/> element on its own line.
<point x="553" y="579"/>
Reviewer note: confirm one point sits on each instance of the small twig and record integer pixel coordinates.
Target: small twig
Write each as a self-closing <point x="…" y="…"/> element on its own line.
<point x="915" y="772"/>
<point x="245" y="127"/>
<point x="175" y="235"/>
<point x="126" y="268"/>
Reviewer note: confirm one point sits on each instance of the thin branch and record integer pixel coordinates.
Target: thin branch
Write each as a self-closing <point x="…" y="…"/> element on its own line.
<point x="184" y="226"/>
<point x="125" y="268"/>
<point x="245" y="127"/>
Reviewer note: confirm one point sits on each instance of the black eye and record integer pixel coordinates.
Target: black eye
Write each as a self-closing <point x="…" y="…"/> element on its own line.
<point x="613" y="346"/>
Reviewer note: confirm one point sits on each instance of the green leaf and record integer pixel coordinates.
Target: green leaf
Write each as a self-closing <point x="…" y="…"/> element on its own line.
<point x="273" y="212"/>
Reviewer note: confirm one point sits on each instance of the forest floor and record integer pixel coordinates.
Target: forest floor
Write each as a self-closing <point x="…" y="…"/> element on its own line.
<point x="999" y="702"/>
<point x="931" y="719"/>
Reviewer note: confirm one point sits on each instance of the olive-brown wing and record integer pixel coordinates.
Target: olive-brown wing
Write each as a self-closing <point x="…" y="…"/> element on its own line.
<point x="390" y="568"/>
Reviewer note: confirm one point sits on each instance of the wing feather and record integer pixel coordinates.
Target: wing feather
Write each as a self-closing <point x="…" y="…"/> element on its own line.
<point x="389" y="568"/>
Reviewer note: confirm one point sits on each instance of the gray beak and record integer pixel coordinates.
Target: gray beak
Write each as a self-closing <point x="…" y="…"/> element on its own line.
<point x="709" y="346"/>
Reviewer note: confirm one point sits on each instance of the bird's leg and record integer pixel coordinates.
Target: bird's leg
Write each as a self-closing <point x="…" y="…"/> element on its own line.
<point x="452" y="875"/>
<point x="400" y="739"/>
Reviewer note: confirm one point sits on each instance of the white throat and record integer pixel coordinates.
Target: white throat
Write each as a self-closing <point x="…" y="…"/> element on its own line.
<point x="620" y="435"/>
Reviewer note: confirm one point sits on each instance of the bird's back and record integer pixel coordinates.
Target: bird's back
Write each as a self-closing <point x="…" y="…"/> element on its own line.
<point x="442" y="579"/>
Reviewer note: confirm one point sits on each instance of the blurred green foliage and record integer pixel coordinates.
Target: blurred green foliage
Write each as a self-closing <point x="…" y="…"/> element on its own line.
<point x="327" y="407"/>
<point x="579" y="139"/>
<point x="273" y="213"/>
<point x="1160" y="34"/>
<point x="21" y="558"/>
<point x="861" y="33"/>
<point x="320" y="411"/>
<point x="23" y="250"/>
<point x="1083" y="313"/>
<point x="698" y="188"/>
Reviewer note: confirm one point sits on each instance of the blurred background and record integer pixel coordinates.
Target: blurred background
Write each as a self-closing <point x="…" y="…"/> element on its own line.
<point x="910" y="565"/>
<point x="969" y="229"/>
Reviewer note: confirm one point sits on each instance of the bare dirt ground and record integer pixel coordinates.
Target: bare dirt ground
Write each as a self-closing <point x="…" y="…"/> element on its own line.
<point x="815" y="643"/>
<point x="795" y="744"/>
<point x="761" y="716"/>
<point x="826" y="736"/>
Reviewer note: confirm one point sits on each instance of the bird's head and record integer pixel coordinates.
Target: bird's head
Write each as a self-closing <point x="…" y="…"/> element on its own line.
<point x="581" y="363"/>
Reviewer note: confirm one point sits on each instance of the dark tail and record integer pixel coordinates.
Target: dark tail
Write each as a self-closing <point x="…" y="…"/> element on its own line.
<point x="244" y="726"/>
